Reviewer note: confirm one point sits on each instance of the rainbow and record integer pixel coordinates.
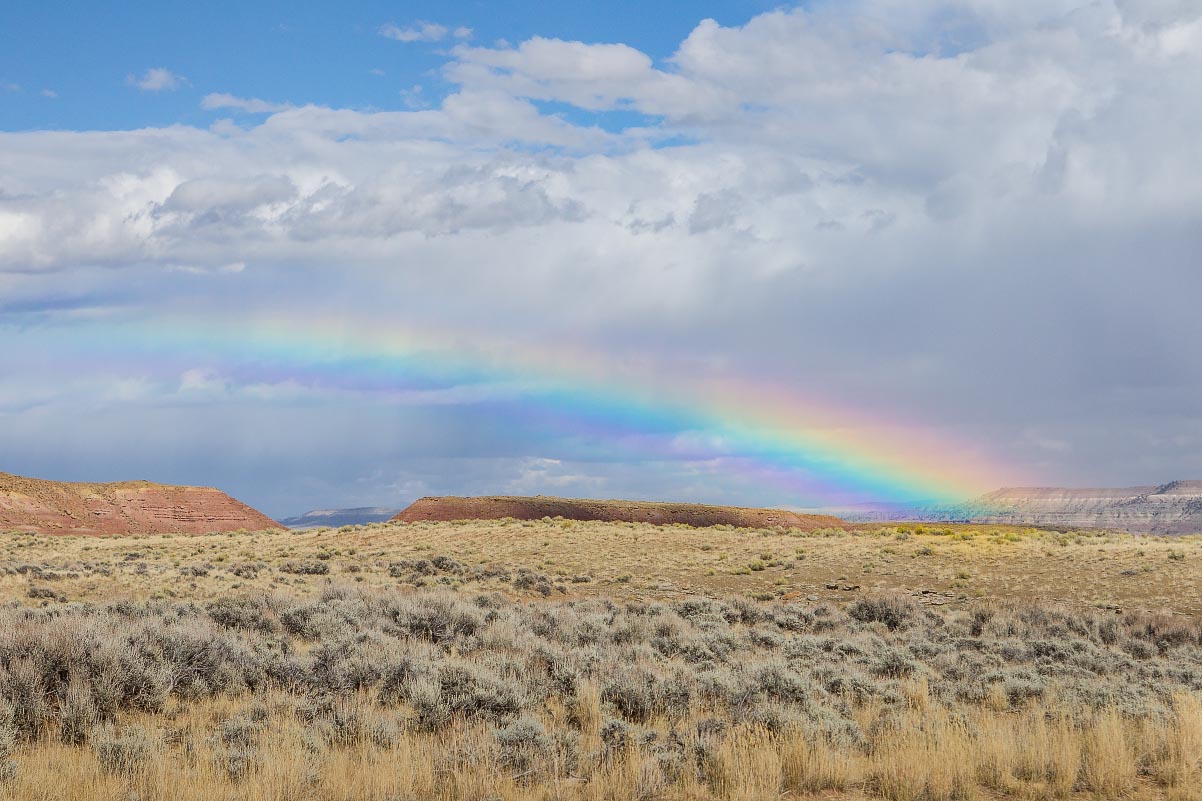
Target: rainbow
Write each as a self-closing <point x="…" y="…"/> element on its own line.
<point x="819" y="453"/>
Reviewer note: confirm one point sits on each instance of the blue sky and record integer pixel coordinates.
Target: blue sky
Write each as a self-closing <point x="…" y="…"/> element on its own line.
<point x="944" y="229"/>
<point x="285" y="52"/>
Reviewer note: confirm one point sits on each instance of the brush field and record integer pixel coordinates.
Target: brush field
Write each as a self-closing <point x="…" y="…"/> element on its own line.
<point x="570" y="660"/>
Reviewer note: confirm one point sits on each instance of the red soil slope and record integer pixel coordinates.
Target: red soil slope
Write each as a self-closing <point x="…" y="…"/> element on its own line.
<point x="128" y="507"/>
<point x="695" y="514"/>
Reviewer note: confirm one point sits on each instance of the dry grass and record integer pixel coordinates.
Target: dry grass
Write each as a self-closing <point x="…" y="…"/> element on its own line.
<point x="258" y="676"/>
<point x="922" y="758"/>
<point x="948" y="565"/>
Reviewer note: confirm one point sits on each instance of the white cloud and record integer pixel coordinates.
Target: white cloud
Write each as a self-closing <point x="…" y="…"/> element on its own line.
<point x="128" y="390"/>
<point x="50" y="93"/>
<point x="592" y="76"/>
<point x="156" y="79"/>
<point x="419" y="32"/>
<point x="200" y="379"/>
<point x="947" y="217"/>
<point x="413" y="98"/>
<point x="251" y="105"/>
<point x="232" y="268"/>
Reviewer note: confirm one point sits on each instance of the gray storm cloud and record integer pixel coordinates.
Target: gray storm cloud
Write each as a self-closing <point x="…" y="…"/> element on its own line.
<point x="981" y="218"/>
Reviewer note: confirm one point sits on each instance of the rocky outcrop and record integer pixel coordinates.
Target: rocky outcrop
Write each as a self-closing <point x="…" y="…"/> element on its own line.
<point x="333" y="518"/>
<point x="1173" y="508"/>
<point x="525" y="508"/>
<point x="127" y="507"/>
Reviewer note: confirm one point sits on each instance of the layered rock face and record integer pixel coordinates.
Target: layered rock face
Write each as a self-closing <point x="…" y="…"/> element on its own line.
<point x="1174" y="508"/>
<point x="524" y="508"/>
<point x="128" y="507"/>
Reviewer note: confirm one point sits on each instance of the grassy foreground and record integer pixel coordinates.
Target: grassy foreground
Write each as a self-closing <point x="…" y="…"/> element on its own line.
<point x="600" y="661"/>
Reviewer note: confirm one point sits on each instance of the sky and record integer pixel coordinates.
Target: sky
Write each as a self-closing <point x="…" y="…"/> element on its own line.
<point x="334" y="255"/>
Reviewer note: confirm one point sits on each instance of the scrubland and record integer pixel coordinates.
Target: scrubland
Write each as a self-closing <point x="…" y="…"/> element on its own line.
<point x="559" y="660"/>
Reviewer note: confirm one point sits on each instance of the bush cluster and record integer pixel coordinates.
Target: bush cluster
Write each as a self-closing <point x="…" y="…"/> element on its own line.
<point x="441" y="656"/>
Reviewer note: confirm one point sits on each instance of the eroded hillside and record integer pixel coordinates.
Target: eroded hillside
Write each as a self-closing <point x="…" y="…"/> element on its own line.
<point x="128" y="507"/>
<point x="445" y="509"/>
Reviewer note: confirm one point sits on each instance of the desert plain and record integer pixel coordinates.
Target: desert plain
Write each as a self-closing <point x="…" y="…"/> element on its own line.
<point x="562" y="659"/>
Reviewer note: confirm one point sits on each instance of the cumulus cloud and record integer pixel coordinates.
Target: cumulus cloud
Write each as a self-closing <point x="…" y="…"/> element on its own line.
<point x="959" y="218"/>
<point x="418" y="32"/>
<point x="251" y="105"/>
<point x="156" y="79"/>
<point x="232" y="268"/>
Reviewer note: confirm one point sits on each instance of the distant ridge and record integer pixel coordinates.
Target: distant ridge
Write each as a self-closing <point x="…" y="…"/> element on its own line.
<point x="1172" y="508"/>
<point x="334" y="518"/>
<point x="884" y="511"/>
<point x="535" y="508"/>
<point x="124" y="507"/>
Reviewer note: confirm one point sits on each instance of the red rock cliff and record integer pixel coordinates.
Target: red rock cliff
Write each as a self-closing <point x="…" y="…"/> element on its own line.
<point x="127" y="507"/>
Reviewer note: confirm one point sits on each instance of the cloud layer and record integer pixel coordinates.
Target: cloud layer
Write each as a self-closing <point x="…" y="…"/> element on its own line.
<point x="979" y="218"/>
<point x="157" y="79"/>
<point x="423" y="32"/>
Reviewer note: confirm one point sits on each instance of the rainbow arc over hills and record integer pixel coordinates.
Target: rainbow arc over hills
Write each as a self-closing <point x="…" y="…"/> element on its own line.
<point x="822" y="454"/>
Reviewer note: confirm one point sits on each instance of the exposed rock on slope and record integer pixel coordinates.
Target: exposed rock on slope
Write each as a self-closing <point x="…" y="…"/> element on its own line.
<point x="492" y="508"/>
<point x="1174" y="508"/>
<point x="333" y="518"/>
<point x="127" y="507"/>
